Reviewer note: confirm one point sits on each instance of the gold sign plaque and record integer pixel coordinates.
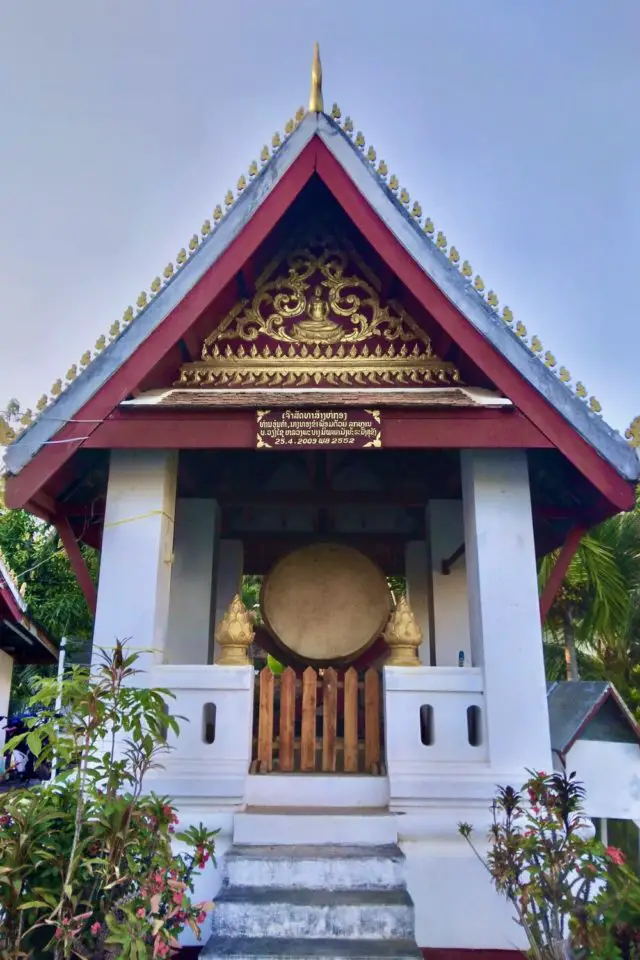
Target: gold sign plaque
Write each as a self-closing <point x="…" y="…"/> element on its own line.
<point x="318" y="429"/>
<point x="326" y="603"/>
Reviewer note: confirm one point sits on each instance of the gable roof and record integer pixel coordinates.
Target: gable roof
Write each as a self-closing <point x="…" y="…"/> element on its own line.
<point x="294" y="164"/>
<point x="26" y="641"/>
<point x="9" y="590"/>
<point x="574" y="704"/>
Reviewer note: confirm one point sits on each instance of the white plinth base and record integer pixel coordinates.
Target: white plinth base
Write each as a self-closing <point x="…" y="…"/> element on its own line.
<point x="289" y="827"/>
<point x="299" y="790"/>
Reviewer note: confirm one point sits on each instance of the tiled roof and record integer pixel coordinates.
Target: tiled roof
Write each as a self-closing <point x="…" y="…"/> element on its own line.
<point x="215" y="235"/>
<point x="572" y="704"/>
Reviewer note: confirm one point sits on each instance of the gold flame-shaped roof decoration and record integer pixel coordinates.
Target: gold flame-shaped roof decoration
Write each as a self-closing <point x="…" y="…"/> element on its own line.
<point x="316" y="319"/>
<point x="316" y="102"/>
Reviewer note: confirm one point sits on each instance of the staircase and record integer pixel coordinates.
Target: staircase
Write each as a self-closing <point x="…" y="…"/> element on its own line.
<point x="328" y="901"/>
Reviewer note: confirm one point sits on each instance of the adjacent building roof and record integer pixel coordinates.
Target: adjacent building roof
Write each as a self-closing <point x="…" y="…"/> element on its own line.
<point x="19" y="636"/>
<point x="574" y="705"/>
<point x="428" y="249"/>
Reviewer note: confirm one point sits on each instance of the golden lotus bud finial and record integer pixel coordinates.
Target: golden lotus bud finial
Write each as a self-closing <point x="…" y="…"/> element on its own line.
<point x="403" y="636"/>
<point x="234" y="635"/>
<point x="316" y="103"/>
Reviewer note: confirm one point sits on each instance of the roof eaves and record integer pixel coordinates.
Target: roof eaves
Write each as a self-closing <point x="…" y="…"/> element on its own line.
<point x="7" y="578"/>
<point x="467" y="297"/>
<point x="87" y="383"/>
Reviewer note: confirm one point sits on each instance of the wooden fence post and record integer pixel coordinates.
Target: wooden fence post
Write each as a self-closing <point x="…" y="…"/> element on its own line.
<point x="308" y="735"/>
<point x="372" y="721"/>
<point x="287" y="719"/>
<point x="329" y="720"/>
<point x="351" y="721"/>
<point x="265" y="726"/>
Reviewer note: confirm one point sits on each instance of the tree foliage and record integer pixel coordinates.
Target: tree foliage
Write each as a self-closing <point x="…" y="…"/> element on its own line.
<point x="88" y="868"/>
<point x="573" y="897"/>
<point x="594" y="623"/>
<point x="36" y="556"/>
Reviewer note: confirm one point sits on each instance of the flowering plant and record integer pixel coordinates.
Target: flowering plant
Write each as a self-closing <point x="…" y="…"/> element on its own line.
<point x="87" y="863"/>
<point x="572" y="896"/>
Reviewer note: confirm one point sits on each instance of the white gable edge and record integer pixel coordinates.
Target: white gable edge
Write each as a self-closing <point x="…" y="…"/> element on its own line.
<point x="6" y="577"/>
<point x="609" y="444"/>
<point x="89" y="382"/>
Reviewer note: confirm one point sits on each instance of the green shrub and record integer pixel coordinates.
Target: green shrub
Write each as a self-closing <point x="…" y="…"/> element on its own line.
<point x="573" y="897"/>
<point x="87" y="866"/>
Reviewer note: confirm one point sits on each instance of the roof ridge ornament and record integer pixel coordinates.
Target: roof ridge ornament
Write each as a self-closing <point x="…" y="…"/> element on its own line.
<point x="316" y="102"/>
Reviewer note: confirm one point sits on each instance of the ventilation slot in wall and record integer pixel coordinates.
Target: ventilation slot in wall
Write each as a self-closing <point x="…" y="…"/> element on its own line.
<point x="474" y="726"/>
<point x="426" y="724"/>
<point x="209" y="722"/>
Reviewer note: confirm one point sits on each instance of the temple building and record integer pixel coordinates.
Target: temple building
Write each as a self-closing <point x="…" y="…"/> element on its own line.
<point x="321" y="393"/>
<point x="21" y="640"/>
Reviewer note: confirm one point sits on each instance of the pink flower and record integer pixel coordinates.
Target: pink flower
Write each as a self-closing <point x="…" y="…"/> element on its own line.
<point x="202" y="916"/>
<point x="615" y="855"/>
<point x="177" y="898"/>
<point x="58" y="934"/>
<point x="141" y="912"/>
<point x="95" y="928"/>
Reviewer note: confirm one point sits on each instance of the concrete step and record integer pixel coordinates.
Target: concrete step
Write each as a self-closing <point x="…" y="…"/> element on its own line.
<point x="243" y="948"/>
<point x="292" y="914"/>
<point x="314" y="867"/>
<point x="268" y="827"/>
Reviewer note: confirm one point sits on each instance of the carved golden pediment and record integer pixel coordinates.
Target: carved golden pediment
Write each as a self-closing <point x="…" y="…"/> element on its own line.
<point x="317" y="319"/>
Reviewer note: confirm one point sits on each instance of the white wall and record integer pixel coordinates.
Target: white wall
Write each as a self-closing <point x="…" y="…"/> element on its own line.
<point x="214" y="772"/>
<point x="450" y="607"/>
<point x="192" y="598"/>
<point x="611" y="776"/>
<point x="6" y="673"/>
<point x="137" y="547"/>
<point x="456" y="905"/>
<point x="504" y="612"/>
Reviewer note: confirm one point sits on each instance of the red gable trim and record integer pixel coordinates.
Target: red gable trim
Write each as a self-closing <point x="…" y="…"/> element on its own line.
<point x="7" y="597"/>
<point x="618" y="491"/>
<point x="316" y="157"/>
<point x="21" y="488"/>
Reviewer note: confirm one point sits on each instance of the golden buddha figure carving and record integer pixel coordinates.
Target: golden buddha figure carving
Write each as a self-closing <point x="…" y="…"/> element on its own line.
<point x="317" y="327"/>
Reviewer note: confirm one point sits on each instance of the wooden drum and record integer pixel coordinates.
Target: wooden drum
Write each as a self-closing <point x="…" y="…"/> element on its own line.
<point x="325" y="603"/>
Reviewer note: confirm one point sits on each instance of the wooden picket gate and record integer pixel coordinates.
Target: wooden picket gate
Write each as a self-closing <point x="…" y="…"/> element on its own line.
<point x="321" y="722"/>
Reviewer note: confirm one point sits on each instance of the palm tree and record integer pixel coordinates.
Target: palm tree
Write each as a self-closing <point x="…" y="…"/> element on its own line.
<point x="595" y="619"/>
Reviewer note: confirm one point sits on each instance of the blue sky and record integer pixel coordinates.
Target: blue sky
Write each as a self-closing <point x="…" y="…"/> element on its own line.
<point x="515" y="123"/>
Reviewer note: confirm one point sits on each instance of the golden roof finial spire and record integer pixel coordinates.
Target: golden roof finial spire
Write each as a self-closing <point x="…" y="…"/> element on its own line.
<point x="316" y="104"/>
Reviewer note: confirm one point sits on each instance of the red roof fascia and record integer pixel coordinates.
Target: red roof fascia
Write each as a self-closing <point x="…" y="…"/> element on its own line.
<point x="316" y="157"/>
<point x="22" y="488"/>
<point x="552" y="424"/>
<point x="8" y="600"/>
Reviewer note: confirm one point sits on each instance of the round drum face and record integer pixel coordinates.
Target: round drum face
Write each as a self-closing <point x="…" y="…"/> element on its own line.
<point x="326" y="602"/>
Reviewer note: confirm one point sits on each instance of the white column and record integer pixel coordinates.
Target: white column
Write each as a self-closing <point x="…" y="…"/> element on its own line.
<point x="506" y="636"/>
<point x="418" y="589"/>
<point x="137" y="545"/>
<point x="6" y="675"/>
<point x="450" y="609"/>
<point x="192" y="599"/>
